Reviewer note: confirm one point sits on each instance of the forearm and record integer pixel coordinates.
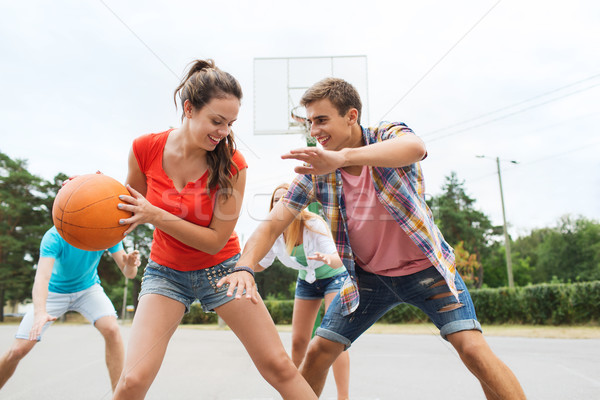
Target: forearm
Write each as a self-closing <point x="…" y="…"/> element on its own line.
<point x="39" y="294"/>
<point x="393" y="153"/>
<point x="130" y="271"/>
<point x="257" y="247"/>
<point x="336" y="261"/>
<point x="199" y="237"/>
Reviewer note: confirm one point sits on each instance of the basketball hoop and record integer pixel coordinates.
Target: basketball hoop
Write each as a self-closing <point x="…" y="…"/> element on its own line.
<point x="280" y="83"/>
<point x="298" y="115"/>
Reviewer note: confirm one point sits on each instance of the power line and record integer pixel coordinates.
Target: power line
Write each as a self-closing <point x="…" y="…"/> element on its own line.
<point x="545" y="158"/>
<point x="160" y="60"/>
<point x="139" y="39"/>
<point x="584" y="147"/>
<point x="512" y="113"/>
<point x="439" y="61"/>
<point x="510" y="106"/>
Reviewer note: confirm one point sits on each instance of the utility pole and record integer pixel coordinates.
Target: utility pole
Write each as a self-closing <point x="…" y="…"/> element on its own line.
<point x="509" y="271"/>
<point x="124" y="310"/>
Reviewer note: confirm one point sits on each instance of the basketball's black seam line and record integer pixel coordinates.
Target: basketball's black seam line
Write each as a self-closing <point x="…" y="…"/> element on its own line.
<point x="91" y="227"/>
<point x="90" y="204"/>
<point x="67" y="202"/>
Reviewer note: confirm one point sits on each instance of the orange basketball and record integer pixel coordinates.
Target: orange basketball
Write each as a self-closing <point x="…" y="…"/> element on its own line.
<point x="85" y="212"/>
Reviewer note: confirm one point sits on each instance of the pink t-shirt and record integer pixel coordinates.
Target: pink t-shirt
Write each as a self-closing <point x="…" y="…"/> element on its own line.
<point x="379" y="244"/>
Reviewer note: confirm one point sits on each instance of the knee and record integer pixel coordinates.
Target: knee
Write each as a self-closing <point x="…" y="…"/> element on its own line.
<point x="299" y="343"/>
<point x="17" y="352"/>
<point x="473" y="351"/>
<point x="129" y="386"/>
<point x="111" y="332"/>
<point x="320" y="350"/>
<point x="279" y="368"/>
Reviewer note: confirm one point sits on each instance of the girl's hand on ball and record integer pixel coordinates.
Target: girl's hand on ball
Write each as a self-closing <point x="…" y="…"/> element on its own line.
<point x="143" y="211"/>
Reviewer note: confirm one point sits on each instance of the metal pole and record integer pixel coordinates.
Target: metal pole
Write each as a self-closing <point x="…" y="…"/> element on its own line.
<point x="511" y="283"/>
<point x="124" y="310"/>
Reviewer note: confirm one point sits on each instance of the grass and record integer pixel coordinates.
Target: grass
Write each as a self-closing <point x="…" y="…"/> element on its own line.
<point x="532" y="331"/>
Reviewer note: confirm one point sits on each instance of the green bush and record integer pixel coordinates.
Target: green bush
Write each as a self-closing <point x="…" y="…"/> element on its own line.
<point x="404" y="313"/>
<point x="197" y="316"/>
<point x="280" y="310"/>
<point x="545" y="304"/>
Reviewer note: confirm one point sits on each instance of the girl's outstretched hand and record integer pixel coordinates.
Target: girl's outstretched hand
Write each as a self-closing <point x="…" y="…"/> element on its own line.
<point x="322" y="257"/>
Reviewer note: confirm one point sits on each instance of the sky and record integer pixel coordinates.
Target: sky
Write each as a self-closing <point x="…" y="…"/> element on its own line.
<point x="517" y="80"/>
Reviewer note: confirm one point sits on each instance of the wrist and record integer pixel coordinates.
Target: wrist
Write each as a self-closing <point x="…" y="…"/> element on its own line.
<point x="243" y="268"/>
<point x="157" y="215"/>
<point x="346" y="155"/>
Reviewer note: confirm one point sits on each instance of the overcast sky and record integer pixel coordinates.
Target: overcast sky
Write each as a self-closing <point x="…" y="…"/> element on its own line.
<point x="519" y="80"/>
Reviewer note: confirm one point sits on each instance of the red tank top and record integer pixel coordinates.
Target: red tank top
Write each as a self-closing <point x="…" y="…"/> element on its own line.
<point x="193" y="203"/>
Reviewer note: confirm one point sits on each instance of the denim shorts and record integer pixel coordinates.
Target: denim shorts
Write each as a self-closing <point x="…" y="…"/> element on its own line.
<point x="319" y="288"/>
<point x="189" y="286"/>
<point x="92" y="303"/>
<point x="379" y="294"/>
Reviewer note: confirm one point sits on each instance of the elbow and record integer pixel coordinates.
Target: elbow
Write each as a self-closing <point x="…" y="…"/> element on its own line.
<point x="420" y="150"/>
<point x="212" y="249"/>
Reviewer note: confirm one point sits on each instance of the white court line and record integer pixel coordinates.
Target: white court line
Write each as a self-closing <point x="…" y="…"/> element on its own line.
<point x="594" y="381"/>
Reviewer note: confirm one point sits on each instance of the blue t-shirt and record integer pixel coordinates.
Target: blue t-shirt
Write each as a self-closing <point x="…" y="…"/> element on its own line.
<point x="74" y="269"/>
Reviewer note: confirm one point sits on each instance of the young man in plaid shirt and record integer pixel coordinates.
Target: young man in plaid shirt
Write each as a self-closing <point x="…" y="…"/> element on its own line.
<point x="370" y="184"/>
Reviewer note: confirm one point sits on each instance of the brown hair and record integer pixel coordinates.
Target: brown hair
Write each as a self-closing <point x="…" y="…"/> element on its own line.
<point x="204" y="82"/>
<point x="293" y="233"/>
<point x="342" y="95"/>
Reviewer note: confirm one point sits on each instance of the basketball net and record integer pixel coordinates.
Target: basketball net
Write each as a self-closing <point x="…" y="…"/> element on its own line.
<point x="299" y="120"/>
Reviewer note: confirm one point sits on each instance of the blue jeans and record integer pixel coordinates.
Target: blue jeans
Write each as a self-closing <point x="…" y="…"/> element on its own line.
<point x="319" y="288"/>
<point x="379" y="294"/>
<point x="189" y="286"/>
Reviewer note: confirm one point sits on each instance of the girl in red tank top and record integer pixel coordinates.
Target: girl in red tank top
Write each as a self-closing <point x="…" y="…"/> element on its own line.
<point x="189" y="183"/>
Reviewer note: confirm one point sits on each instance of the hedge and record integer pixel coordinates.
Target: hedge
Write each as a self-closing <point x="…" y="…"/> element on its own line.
<point x="544" y="304"/>
<point x="280" y="310"/>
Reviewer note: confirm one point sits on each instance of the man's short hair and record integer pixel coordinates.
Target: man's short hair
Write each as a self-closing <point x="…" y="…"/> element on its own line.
<point x="340" y="93"/>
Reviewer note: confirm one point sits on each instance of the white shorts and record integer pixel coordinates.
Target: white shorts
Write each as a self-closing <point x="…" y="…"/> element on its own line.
<point x="92" y="303"/>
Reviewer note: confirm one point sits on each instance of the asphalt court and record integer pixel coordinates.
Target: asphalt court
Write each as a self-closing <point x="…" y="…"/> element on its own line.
<point x="212" y="364"/>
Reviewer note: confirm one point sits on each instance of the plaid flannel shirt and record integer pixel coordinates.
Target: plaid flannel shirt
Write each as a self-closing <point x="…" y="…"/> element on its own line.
<point x="402" y="193"/>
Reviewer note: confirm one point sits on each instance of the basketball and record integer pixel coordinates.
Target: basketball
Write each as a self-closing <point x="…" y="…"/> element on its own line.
<point x="85" y="212"/>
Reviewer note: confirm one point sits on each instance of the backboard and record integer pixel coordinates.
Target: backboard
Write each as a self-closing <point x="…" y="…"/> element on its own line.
<point x="279" y="83"/>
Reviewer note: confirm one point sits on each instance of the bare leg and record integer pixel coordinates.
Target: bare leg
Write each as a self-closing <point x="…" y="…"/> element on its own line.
<point x="319" y="357"/>
<point x="303" y="321"/>
<point x="341" y="366"/>
<point x="155" y="321"/>
<point x="254" y="327"/>
<point x="496" y="379"/>
<point x="114" y="349"/>
<point x="9" y="361"/>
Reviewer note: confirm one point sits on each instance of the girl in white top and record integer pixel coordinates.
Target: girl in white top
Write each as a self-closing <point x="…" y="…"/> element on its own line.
<point x="307" y="245"/>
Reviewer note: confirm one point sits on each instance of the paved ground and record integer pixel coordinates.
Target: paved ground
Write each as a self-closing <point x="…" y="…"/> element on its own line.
<point x="212" y="364"/>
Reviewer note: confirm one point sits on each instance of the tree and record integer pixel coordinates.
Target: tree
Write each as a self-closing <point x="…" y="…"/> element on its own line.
<point x="25" y="205"/>
<point x="496" y="274"/>
<point x="459" y="221"/>
<point x="277" y="281"/>
<point x="467" y="265"/>
<point x="111" y="277"/>
<point x="570" y="252"/>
